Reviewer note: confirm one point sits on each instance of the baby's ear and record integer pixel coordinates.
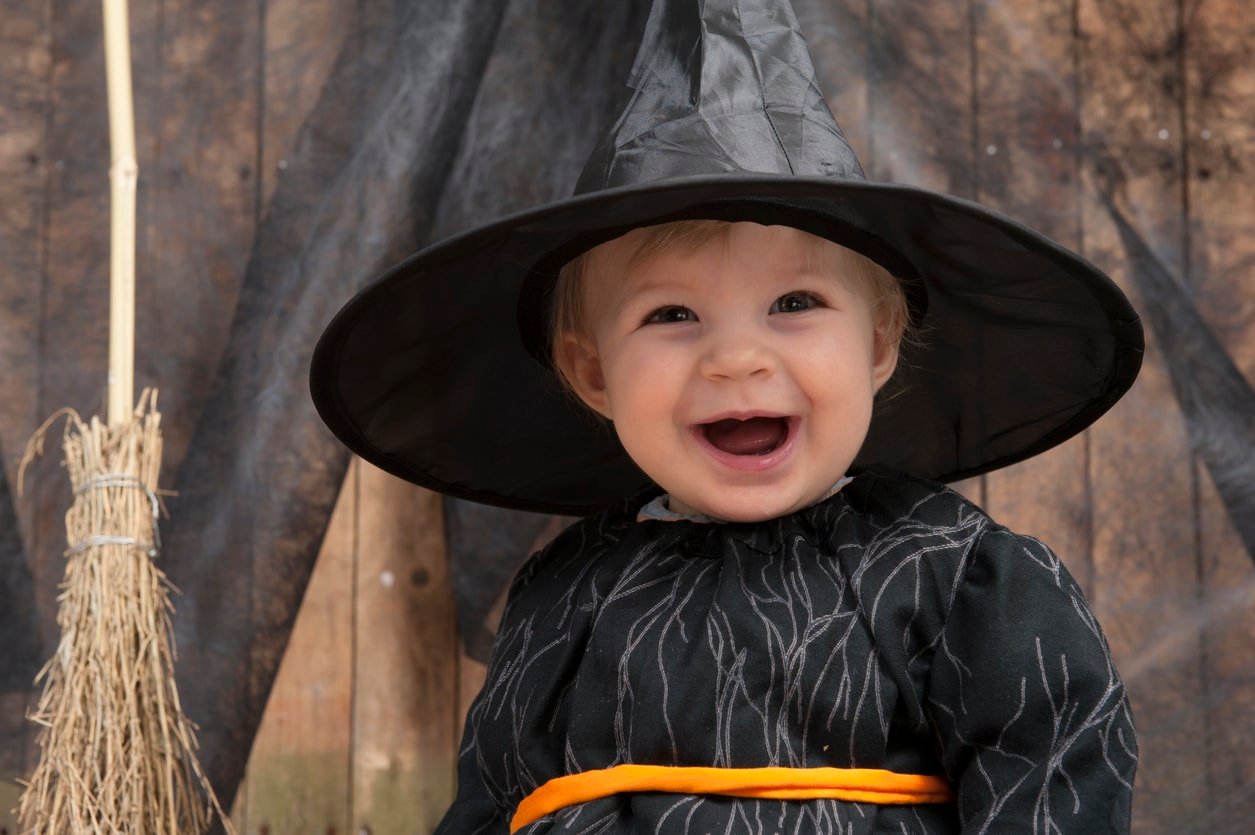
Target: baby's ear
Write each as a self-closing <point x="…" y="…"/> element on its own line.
<point x="886" y="340"/>
<point x="579" y="363"/>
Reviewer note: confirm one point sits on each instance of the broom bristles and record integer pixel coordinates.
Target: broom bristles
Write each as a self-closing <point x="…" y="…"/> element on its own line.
<point x="118" y="755"/>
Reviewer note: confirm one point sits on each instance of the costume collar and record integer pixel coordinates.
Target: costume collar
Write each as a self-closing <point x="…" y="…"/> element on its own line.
<point x="657" y="508"/>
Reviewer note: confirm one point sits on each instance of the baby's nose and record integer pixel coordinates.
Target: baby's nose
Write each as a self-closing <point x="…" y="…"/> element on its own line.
<point x="736" y="357"/>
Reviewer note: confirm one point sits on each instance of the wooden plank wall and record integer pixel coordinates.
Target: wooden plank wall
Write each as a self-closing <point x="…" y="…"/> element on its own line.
<point x="1036" y="107"/>
<point x="362" y="725"/>
<point x="1218" y="84"/>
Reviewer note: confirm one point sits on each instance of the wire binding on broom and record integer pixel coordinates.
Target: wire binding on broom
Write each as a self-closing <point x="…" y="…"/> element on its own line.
<point x="106" y="480"/>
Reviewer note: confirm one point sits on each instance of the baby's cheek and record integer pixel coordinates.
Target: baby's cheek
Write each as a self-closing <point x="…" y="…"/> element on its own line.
<point x="648" y="437"/>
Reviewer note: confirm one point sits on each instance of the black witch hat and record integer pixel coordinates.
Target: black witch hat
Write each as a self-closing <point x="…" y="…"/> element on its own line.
<point x="439" y="372"/>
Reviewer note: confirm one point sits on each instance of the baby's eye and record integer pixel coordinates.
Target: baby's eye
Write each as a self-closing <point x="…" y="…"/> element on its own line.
<point x="796" y="302"/>
<point x="670" y="313"/>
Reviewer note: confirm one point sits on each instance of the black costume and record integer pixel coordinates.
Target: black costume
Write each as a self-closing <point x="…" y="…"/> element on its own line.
<point x="892" y="625"/>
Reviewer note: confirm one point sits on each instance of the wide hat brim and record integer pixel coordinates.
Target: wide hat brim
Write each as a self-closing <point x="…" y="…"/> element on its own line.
<point x="426" y="373"/>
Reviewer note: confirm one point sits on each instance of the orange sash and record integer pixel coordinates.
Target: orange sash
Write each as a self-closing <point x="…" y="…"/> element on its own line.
<point x="862" y="785"/>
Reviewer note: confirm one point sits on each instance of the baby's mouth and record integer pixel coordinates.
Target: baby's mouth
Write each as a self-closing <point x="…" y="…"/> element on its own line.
<point x="752" y="436"/>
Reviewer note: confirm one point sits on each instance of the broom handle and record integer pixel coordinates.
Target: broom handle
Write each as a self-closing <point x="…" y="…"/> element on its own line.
<point x="123" y="177"/>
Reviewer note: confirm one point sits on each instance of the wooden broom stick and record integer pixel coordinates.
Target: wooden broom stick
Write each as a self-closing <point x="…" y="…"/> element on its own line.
<point x="123" y="178"/>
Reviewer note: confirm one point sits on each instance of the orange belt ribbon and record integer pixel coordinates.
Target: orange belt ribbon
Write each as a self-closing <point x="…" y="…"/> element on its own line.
<point x="861" y="785"/>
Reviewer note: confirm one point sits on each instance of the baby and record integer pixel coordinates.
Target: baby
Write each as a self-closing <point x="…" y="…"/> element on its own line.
<point x="750" y="369"/>
<point x="762" y="643"/>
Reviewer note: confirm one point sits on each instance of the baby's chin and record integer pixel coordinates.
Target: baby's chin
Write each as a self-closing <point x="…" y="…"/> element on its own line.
<point x="746" y="508"/>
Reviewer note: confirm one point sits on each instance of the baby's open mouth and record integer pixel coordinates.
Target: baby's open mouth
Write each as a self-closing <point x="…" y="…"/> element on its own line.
<point x="752" y="436"/>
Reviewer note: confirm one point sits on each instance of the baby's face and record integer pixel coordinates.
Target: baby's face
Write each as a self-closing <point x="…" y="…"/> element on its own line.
<point x="738" y="378"/>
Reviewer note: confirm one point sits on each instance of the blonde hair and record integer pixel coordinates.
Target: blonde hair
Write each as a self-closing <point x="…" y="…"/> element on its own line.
<point x="568" y="311"/>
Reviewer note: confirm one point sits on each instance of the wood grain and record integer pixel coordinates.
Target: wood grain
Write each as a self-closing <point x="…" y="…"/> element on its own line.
<point x="1144" y="503"/>
<point x="1220" y="135"/>
<point x="198" y="109"/>
<point x="298" y="773"/>
<point x="1026" y="137"/>
<point x="300" y="42"/>
<point x="920" y="95"/>
<point x="303" y="39"/>
<point x="25" y="66"/>
<point x="74" y="314"/>
<point x="405" y="686"/>
<point x="299" y="782"/>
<point x="258" y="483"/>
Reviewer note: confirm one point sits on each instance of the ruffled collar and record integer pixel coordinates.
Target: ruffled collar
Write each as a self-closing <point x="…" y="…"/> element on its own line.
<point x="708" y="537"/>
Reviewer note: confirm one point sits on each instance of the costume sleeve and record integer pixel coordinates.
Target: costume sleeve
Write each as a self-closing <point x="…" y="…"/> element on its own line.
<point x="1034" y="724"/>
<point x="474" y="812"/>
<point x="475" y="809"/>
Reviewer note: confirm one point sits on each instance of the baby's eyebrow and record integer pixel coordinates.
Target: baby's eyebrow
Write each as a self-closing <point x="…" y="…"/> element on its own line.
<point x="644" y="286"/>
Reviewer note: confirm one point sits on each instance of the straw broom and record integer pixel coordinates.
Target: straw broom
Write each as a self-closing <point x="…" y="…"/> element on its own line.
<point x="118" y="754"/>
